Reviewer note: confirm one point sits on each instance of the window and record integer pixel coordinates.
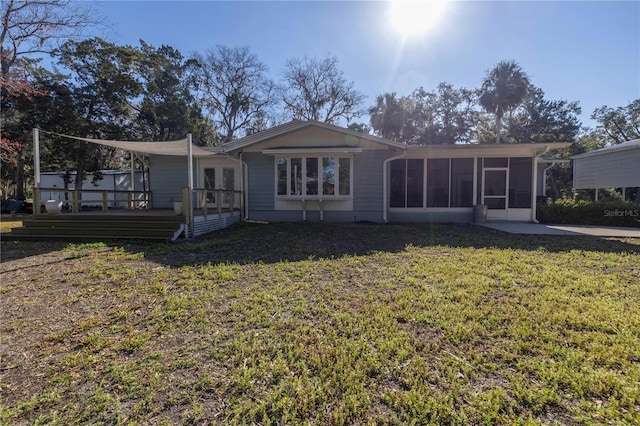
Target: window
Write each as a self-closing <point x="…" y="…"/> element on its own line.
<point x="415" y="183"/>
<point x="496" y="162"/>
<point x="438" y="182"/>
<point x="323" y="176"/>
<point x="282" y="176"/>
<point x="520" y="169"/>
<point x="295" y="181"/>
<point x="312" y="176"/>
<point x="397" y="187"/>
<point x="449" y="183"/>
<point x="210" y="184"/>
<point x="328" y="176"/>
<point x="461" y="182"/>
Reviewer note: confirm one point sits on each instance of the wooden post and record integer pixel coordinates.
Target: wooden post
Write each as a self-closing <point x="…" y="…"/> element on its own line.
<point x="219" y="201"/>
<point x="105" y="201"/>
<point x="36" y="201"/>
<point x="36" y="172"/>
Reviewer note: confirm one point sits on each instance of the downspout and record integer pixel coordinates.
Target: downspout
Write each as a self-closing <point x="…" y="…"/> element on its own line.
<point x="534" y="193"/>
<point x="385" y="184"/>
<point x="245" y="175"/>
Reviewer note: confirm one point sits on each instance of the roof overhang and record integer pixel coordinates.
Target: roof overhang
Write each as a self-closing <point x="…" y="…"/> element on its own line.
<point x="495" y="150"/>
<point x="634" y="144"/>
<point x="312" y="150"/>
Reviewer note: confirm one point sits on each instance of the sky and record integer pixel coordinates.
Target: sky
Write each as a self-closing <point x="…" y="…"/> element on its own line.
<point x="576" y="51"/>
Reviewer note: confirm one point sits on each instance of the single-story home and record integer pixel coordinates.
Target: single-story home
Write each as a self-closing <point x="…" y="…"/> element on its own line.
<point x="616" y="166"/>
<point x="308" y="170"/>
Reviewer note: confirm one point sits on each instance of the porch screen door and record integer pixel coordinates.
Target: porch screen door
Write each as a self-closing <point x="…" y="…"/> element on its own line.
<point x="495" y="193"/>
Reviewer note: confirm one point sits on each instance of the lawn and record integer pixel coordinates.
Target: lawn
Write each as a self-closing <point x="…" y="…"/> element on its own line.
<point x="8" y="221"/>
<point x="323" y="325"/>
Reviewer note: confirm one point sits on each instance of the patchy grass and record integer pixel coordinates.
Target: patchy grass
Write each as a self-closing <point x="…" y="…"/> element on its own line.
<point x="323" y="324"/>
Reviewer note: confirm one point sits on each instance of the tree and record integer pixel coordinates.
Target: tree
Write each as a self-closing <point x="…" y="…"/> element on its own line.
<point x="538" y="120"/>
<point x="389" y="115"/>
<point x="104" y="87"/>
<point x="360" y="128"/>
<point x="168" y="109"/>
<point x="234" y="89"/>
<point x="444" y="116"/>
<point x="617" y="125"/>
<point x="503" y="89"/>
<point x="18" y="87"/>
<point x="33" y="26"/>
<point x="316" y="90"/>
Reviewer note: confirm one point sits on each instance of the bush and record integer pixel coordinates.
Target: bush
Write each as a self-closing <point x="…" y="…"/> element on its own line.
<point x="581" y="212"/>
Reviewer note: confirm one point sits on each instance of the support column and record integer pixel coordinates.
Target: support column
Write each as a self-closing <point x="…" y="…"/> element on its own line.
<point x="36" y="172"/>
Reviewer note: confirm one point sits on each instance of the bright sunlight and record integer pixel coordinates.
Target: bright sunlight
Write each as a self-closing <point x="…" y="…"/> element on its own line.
<point x="412" y="18"/>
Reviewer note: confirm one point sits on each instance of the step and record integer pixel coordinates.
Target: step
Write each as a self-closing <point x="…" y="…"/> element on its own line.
<point x="98" y="232"/>
<point x="60" y="223"/>
<point x="109" y="217"/>
<point x="83" y="238"/>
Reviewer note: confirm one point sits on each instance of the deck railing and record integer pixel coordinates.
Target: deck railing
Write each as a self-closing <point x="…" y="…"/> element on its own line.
<point x="208" y="201"/>
<point x="130" y="199"/>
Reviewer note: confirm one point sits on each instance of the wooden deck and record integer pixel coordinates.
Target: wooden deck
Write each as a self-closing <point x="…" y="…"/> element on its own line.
<point x="161" y="225"/>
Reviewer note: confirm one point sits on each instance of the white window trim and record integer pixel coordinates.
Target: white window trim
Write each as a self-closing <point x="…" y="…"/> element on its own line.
<point x="288" y="155"/>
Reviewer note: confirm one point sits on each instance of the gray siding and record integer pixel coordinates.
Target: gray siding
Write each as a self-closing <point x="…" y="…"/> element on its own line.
<point x="368" y="185"/>
<point x="439" y="217"/>
<point x="260" y="181"/>
<point x="167" y="177"/>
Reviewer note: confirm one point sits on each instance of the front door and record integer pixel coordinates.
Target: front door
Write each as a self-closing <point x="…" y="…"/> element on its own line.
<point x="494" y="195"/>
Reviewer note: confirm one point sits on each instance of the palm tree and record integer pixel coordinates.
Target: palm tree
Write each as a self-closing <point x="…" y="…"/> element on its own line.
<point x="503" y="89"/>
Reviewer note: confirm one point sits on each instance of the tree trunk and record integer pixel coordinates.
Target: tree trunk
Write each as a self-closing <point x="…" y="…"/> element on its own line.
<point x="498" y="128"/>
<point x="79" y="179"/>
<point x="20" y="177"/>
<point x="555" y="192"/>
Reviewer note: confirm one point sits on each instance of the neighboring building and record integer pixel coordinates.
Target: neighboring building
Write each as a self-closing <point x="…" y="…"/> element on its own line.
<point x="307" y="170"/>
<point x="112" y="180"/>
<point x="616" y="166"/>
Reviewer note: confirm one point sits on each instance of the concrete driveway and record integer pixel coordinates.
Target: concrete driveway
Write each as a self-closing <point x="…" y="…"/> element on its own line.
<point x="541" y="229"/>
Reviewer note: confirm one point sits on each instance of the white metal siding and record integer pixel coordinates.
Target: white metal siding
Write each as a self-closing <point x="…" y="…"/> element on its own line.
<point x="608" y="170"/>
<point x="168" y="175"/>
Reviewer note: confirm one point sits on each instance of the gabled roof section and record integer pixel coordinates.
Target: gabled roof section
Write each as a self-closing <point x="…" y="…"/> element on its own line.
<point x="633" y="144"/>
<point x="294" y="125"/>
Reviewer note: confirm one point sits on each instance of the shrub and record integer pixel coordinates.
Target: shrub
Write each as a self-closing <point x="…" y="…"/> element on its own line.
<point x="581" y="212"/>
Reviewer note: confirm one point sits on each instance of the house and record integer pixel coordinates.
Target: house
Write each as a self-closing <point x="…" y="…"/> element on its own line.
<point x="616" y="166"/>
<point x="313" y="171"/>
